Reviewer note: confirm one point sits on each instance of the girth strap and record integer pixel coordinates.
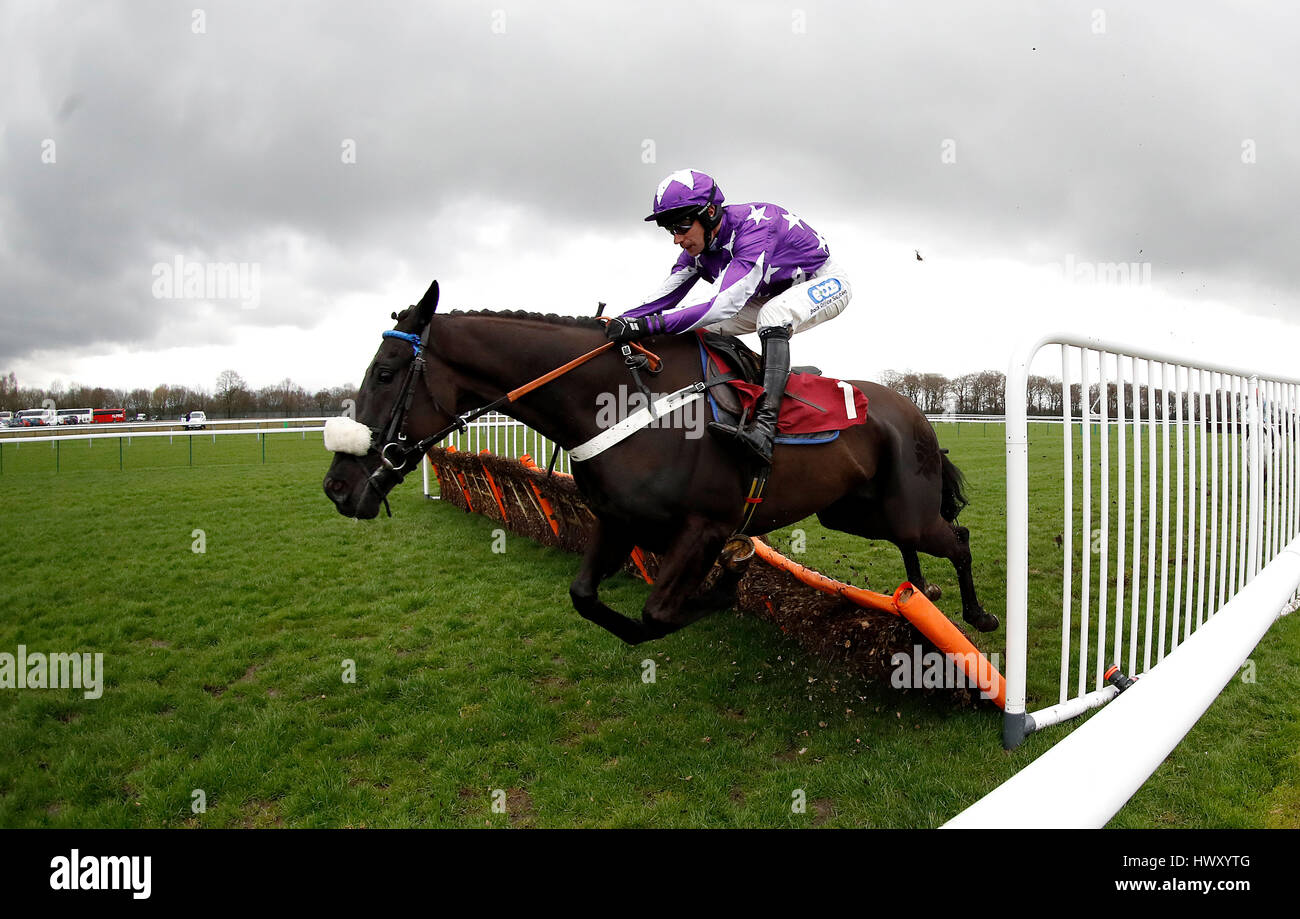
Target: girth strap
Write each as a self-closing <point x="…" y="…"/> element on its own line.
<point x="754" y="499"/>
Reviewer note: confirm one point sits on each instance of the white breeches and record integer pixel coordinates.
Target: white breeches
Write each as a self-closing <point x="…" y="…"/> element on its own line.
<point x="821" y="297"/>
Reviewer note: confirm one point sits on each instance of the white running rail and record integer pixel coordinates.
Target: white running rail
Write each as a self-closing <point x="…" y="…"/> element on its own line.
<point x="1087" y="777"/>
<point x="1188" y="485"/>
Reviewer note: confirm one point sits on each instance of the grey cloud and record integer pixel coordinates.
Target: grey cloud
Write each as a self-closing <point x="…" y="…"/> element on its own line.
<point x="223" y="145"/>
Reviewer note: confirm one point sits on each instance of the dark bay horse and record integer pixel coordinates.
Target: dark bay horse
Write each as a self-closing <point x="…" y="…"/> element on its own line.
<point x="677" y="495"/>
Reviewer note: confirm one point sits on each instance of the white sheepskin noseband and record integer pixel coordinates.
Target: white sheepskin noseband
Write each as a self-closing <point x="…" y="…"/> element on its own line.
<point x="343" y="435"/>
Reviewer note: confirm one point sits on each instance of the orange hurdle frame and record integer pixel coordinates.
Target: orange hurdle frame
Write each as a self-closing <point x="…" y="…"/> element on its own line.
<point x="913" y="606"/>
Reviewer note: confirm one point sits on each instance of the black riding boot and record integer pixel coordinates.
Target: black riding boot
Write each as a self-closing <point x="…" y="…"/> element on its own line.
<point x="756" y="437"/>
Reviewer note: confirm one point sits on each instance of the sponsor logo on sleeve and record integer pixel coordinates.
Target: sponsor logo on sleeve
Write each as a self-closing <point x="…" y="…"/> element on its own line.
<point x="820" y="293"/>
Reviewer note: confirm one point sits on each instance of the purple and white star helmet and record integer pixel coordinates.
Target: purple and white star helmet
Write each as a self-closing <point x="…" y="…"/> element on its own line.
<point x="686" y="195"/>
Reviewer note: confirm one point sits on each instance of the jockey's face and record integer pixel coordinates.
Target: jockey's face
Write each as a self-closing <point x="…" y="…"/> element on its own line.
<point x="693" y="239"/>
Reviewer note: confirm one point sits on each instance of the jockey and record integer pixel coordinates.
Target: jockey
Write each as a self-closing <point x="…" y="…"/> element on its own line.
<point x="774" y="275"/>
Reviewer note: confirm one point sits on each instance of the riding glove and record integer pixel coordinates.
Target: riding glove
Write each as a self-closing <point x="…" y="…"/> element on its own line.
<point x="630" y="328"/>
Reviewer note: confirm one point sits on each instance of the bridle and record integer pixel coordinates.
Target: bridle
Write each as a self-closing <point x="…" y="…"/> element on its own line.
<point x="395" y="430"/>
<point x="395" y="454"/>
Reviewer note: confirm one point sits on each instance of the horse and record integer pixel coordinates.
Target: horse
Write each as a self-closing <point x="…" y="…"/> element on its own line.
<point x="661" y="489"/>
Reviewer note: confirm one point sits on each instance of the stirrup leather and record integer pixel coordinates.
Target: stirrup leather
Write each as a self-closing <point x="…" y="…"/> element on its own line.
<point x="757" y="436"/>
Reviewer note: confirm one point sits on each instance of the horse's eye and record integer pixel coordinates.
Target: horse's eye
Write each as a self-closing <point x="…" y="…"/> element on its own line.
<point x="385" y="375"/>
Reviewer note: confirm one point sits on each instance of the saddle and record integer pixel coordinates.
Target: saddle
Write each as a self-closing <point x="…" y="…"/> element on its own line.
<point x="813" y="408"/>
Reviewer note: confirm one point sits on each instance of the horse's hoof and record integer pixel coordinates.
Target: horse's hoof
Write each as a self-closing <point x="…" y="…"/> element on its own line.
<point x="933" y="593"/>
<point x="982" y="621"/>
<point x="715" y="600"/>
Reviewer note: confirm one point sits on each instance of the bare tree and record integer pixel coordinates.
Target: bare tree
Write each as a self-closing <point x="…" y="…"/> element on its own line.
<point x="910" y="386"/>
<point x="231" y="389"/>
<point x="934" y="386"/>
<point x="963" y="388"/>
<point x="136" y="402"/>
<point x="9" y="393"/>
<point x="1042" y="395"/>
<point x="990" y="390"/>
<point x="891" y="379"/>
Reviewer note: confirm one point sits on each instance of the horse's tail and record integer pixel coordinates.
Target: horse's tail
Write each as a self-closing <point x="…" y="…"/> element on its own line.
<point x="954" y="490"/>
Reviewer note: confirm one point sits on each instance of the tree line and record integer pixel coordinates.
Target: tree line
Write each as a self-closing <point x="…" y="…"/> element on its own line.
<point x="230" y="398"/>
<point x="984" y="393"/>
<point x="981" y="393"/>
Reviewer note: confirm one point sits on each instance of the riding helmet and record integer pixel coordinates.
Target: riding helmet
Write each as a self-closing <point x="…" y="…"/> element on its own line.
<point x="686" y="195"/>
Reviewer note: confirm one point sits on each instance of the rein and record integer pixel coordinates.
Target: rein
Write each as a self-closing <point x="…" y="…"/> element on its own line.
<point x="394" y="437"/>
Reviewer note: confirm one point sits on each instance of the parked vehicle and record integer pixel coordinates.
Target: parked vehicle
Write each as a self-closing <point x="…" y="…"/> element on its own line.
<point x="196" y="420"/>
<point x="109" y="415"/>
<point x="5" y="418"/>
<point x="74" y="416"/>
<point x="34" y="418"/>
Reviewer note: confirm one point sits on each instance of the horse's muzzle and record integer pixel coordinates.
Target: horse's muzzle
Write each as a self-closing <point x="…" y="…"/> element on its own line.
<point x="348" y="483"/>
<point x="345" y="502"/>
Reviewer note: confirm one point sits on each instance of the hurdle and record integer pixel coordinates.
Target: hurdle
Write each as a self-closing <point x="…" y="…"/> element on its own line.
<point x="557" y="515"/>
<point x="913" y="606"/>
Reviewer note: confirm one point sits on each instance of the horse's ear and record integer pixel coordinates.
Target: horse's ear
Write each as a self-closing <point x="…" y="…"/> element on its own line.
<point x="428" y="304"/>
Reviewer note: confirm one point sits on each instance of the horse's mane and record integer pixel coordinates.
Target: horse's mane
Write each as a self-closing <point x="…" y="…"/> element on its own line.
<point x="578" y="322"/>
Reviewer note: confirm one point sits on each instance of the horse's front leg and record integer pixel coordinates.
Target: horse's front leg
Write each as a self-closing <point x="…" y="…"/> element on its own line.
<point x="681" y="572"/>
<point x="606" y="552"/>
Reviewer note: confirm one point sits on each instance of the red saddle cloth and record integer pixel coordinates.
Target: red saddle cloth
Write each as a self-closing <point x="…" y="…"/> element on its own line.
<point x="812" y="403"/>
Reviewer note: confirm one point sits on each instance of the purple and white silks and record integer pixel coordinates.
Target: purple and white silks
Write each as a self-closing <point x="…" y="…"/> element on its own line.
<point x="758" y="247"/>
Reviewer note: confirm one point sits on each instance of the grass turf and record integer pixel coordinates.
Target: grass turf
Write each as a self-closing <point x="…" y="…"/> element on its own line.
<point x="476" y="683"/>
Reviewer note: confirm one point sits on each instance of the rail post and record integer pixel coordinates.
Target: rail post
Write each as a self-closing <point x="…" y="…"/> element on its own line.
<point x="1016" y="723"/>
<point x="1255" y="432"/>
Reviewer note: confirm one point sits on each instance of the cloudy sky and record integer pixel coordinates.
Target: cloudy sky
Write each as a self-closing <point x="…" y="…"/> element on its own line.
<point x="344" y="154"/>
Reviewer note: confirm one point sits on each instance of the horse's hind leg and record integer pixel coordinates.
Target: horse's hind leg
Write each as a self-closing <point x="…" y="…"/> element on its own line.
<point x="971" y="609"/>
<point x="916" y="578"/>
<point x="862" y="518"/>
<point x="951" y="541"/>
